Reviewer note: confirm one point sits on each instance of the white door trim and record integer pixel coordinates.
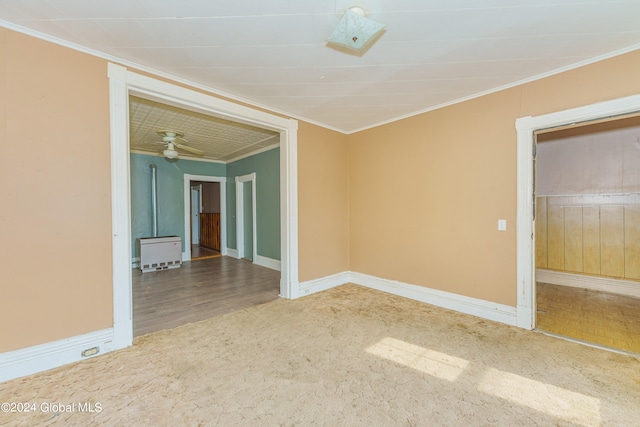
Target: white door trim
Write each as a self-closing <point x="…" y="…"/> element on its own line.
<point x="195" y="228"/>
<point x="187" y="178"/>
<point x="122" y="82"/>
<point x="525" y="244"/>
<point x="240" y="180"/>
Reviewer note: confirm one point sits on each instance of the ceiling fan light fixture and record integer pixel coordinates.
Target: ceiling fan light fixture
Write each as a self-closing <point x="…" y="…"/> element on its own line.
<point x="170" y="152"/>
<point x="355" y="31"/>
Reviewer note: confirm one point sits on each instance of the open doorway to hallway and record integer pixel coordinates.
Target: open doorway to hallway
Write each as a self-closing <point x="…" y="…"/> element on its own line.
<point x="205" y="220"/>
<point x="587" y="235"/>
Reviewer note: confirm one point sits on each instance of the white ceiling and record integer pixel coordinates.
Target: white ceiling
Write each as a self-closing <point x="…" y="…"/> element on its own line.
<point x="273" y="53"/>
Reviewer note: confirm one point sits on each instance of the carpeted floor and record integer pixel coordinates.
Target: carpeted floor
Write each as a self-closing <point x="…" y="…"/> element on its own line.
<point x="349" y="356"/>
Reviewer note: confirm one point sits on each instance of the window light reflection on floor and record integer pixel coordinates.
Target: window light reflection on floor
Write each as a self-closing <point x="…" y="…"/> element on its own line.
<point x="439" y="365"/>
<point x="546" y="398"/>
<point x="577" y="408"/>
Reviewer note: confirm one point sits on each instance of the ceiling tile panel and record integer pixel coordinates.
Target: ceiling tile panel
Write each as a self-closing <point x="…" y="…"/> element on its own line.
<point x="214" y="8"/>
<point x="162" y="59"/>
<point x="264" y="56"/>
<point x="28" y="10"/>
<point x="127" y="33"/>
<point x="71" y="9"/>
<point x="216" y="137"/>
<point x="170" y="32"/>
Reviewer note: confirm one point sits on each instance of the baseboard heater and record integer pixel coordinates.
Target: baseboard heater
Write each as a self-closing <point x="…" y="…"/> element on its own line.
<point x="160" y="253"/>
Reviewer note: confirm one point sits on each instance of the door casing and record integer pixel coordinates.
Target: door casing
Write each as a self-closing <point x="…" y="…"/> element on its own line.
<point x="240" y="219"/>
<point x="122" y="83"/>
<point x="196" y="206"/>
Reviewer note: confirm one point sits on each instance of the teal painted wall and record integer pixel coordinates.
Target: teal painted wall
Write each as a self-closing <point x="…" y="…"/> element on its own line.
<point x="170" y="190"/>
<point x="267" y="168"/>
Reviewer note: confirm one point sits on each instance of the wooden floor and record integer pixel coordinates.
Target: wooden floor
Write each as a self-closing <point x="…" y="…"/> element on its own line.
<point x="199" y="290"/>
<point x="200" y="252"/>
<point x="601" y="318"/>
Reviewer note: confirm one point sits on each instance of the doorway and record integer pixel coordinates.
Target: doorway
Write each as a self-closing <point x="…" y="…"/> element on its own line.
<point x="206" y="230"/>
<point x="587" y="232"/>
<point x="212" y="218"/>
<point x="526" y="128"/>
<point x="122" y="83"/>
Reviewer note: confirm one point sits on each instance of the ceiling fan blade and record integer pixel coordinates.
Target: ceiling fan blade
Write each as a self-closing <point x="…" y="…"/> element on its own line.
<point x="190" y="149"/>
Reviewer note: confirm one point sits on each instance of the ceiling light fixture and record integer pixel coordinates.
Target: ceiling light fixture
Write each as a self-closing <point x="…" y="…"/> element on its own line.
<point x="355" y="31"/>
<point x="170" y="152"/>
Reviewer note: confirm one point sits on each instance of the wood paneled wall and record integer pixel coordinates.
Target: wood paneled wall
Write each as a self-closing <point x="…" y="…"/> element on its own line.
<point x="210" y="230"/>
<point x="591" y="234"/>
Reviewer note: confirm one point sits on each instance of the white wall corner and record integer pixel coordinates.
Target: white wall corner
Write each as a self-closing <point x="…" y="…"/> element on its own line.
<point x="31" y="360"/>
<point x="264" y="261"/>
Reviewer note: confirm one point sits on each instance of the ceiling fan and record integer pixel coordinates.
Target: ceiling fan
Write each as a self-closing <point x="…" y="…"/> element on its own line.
<point x="169" y="138"/>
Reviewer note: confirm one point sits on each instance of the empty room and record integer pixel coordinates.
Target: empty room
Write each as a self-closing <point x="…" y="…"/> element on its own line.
<point x="383" y="164"/>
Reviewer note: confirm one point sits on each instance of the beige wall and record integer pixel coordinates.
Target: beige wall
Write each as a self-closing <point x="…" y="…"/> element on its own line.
<point x="323" y="197"/>
<point x="55" y="209"/>
<point x="426" y="195"/>
<point x="426" y="192"/>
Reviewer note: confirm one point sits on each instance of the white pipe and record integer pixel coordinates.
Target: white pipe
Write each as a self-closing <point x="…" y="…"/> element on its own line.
<point x="154" y="200"/>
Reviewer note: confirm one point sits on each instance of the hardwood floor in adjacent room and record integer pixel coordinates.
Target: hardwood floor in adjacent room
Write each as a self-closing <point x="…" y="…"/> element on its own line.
<point x="200" y="252"/>
<point x="199" y="290"/>
<point x="601" y="318"/>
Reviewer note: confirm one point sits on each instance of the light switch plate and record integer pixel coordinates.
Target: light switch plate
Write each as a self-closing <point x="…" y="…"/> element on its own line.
<point x="502" y="224"/>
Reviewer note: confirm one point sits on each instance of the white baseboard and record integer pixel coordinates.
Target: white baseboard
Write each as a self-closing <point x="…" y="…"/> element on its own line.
<point x="595" y="283"/>
<point x="476" y="307"/>
<point x="233" y="253"/>
<point x="264" y="261"/>
<point x="30" y="360"/>
<point x="323" y="283"/>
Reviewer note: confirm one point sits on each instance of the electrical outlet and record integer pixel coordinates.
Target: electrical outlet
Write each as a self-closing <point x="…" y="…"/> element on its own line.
<point x="90" y="352"/>
<point x="502" y="224"/>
